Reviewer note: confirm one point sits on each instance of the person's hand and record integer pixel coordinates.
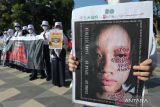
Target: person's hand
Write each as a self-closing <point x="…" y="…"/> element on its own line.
<point x="145" y="68"/>
<point x="73" y="63"/>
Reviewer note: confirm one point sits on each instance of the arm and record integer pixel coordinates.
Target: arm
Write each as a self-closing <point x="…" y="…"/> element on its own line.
<point x="73" y="63"/>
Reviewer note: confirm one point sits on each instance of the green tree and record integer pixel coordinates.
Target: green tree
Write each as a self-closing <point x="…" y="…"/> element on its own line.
<point x="156" y="12"/>
<point x="5" y="14"/>
<point x="20" y="13"/>
<point x="34" y="11"/>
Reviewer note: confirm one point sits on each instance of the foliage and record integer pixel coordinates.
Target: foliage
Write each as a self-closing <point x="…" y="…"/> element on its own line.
<point x="158" y="41"/>
<point x="156" y="12"/>
<point x="34" y="11"/>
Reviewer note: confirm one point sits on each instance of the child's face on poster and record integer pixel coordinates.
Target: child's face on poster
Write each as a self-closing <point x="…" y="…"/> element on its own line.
<point x="113" y="57"/>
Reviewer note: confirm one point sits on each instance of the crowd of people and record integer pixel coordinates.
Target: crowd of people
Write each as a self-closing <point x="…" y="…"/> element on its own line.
<point x="54" y="59"/>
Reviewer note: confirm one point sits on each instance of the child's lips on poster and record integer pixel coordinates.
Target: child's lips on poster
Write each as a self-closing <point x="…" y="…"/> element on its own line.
<point x="108" y="82"/>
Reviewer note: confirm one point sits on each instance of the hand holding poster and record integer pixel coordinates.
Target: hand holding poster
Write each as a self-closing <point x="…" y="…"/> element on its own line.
<point x="56" y="39"/>
<point x="108" y="42"/>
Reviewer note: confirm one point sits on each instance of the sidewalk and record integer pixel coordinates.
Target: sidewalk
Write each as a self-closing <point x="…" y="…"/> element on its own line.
<point x="17" y="91"/>
<point x="153" y="86"/>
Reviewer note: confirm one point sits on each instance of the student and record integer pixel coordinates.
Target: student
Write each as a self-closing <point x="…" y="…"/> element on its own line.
<point x="45" y="35"/>
<point x="18" y="31"/>
<point x="31" y="31"/>
<point x="25" y="31"/>
<point x="58" y="60"/>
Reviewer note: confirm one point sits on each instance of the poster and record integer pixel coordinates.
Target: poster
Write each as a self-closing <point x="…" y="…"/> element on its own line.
<point x="108" y="43"/>
<point x="56" y="39"/>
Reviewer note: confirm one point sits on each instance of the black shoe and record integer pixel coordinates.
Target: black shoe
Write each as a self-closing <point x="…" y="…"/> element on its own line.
<point x="27" y="71"/>
<point x="30" y="75"/>
<point x="48" y="78"/>
<point x="33" y="78"/>
<point x="43" y="76"/>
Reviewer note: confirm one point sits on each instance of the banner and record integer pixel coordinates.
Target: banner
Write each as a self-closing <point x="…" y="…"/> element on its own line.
<point x="26" y="52"/>
<point x="108" y="42"/>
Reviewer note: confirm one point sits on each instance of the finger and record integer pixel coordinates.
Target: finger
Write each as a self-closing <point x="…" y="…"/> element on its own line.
<point x="75" y="63"/>
<point x="143" y="68"/>
<point x="143" y="78"/>
<point x="72" y="65"/>
<point x="71" y="60"/>
<point x="72" y="57"/>
<point x="71" y="69"/>
<point x="141" y="74"/>
<point x="146" y="62"/>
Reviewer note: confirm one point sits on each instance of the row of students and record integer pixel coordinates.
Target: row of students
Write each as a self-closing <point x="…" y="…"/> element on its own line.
<point x="54" y="59"/>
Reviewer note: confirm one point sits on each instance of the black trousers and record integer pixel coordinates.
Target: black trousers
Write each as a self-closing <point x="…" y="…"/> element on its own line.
<point x="58" y="69"/>
<point x="46" y="57"/>
<point x="0" y="57"/>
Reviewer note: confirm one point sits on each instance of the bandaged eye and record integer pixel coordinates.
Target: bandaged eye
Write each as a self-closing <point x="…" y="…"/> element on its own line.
<point x="99" y="56"/>
<point x="101" y="63"/>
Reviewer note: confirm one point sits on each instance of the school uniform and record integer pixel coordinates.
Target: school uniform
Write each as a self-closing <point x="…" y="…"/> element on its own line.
<point x="58" y="64"/>
<point x="46" y="55"/>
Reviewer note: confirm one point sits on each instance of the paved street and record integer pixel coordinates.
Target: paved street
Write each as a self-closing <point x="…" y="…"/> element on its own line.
<point x="17" y="91"/>
<point x="153" y="86"/>
<point x="152" y="93"/>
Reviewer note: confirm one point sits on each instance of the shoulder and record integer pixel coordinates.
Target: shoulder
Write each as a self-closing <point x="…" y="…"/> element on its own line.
<point x="48" y="32"/>
<point x="41" y="33"/>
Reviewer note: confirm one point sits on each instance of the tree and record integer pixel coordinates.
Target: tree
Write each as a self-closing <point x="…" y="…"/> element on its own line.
<point x="20" y="13"/>
<point x="34" y="11"/>
<point x="5" y="14"/>
<point x="156" y="12"/>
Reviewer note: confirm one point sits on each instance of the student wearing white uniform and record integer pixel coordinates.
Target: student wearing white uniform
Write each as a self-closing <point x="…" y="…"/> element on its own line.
<point x="31" y="30"/>
<point x="31" y="33"/>
<point x="45" y="35"/>
<point x="1" y="44"/>
<point x="25" y="31"/>
<point x="10" y="32"/>
<point x="18" y="31"/>
<point x="58" y="61"/>
<point x="5" y="37"/>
